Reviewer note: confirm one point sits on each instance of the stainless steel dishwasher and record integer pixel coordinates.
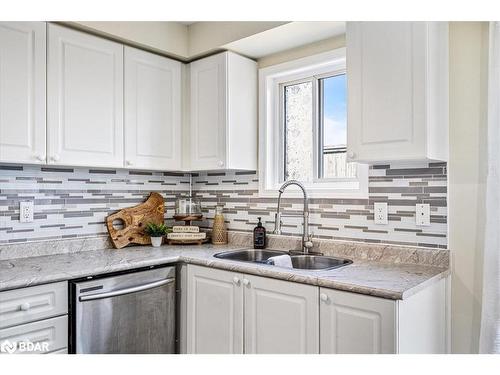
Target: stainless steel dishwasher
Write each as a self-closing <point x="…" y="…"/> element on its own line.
<point x="124" y="314"/>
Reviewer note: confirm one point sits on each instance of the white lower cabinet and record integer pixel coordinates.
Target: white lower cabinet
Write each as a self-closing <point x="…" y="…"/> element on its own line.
<point x="281" y="317"/>
<point x="355" y="323"/>
<point x="214" y="311"/>
<point x="34" y="320"/>
<point x="229" y="312"/>
<point x="41" y="337"/>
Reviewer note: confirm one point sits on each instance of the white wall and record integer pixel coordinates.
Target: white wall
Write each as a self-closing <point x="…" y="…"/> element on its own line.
<point x="205" y="37"/>
<point x="299" y="52"/>
<point x="174" y="38"/>
<point x="467" y="171"/>
<point x="164" y="37"/>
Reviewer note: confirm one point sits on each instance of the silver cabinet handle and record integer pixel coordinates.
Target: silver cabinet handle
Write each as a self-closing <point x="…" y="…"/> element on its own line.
<point x="220" y="163"/>
<point x="246" y="282"/>
<point x="121" y="292"/>
<point x="55" y="157"/>
<point x="236" y="280"/>
<point x="323" y="297"/>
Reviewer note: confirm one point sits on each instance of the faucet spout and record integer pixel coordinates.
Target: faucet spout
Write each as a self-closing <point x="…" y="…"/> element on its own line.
<point x="306" y="243"/>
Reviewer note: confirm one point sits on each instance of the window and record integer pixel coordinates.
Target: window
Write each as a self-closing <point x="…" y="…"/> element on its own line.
<point x="333" y="128"/>
<point x="328" y="142"/>
<point x="303" y="127"/>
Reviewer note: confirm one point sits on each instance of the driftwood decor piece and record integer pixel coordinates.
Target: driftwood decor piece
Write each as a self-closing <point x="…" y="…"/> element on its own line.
<point x="134" y="221"/>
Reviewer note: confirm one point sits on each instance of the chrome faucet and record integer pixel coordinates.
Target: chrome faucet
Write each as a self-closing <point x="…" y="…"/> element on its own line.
<point x="306" y="240"/>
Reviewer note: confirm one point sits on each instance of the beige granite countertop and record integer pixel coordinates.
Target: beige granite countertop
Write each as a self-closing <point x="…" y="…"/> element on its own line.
<point x="386" y="280"/>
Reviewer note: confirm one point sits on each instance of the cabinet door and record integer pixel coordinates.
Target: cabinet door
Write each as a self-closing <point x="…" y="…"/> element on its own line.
<point x="208" y="112"/>
<point x="386" y="90"/>
<point x="22" y="92"/>
<point x="280" y="317"/>
<point x="356" y="324"/>
<point x="214" y="311"/>
<point x="152" y="111"/>
<point x="85" y="99"/>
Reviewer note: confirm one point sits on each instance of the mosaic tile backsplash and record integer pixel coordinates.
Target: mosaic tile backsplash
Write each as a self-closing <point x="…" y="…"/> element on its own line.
<point x="73" y="202"/>
<point x="343" y="219"/>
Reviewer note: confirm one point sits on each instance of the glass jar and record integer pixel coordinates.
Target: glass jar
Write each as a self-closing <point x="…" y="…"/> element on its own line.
<point x="187" y="206"/>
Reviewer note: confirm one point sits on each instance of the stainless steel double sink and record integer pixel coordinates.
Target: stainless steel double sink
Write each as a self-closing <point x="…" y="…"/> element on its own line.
<point x="304" y="262"/>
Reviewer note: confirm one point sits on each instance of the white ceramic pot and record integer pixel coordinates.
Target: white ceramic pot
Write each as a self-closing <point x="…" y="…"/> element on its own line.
<point x="156" y="241"/>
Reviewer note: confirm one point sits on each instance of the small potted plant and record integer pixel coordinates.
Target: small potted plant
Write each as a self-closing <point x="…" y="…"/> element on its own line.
<point x="156" y="232"/>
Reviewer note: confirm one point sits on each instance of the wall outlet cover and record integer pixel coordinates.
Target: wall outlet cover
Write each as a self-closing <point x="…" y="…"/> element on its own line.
<point x="423" y="214"/>
<point x="26" y="210"/>
<point x="380" y="213"/>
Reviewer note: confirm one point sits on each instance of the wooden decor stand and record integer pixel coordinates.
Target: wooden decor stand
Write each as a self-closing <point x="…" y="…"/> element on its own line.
<point x="188" y="242"/>
<point x="187" y="221"/>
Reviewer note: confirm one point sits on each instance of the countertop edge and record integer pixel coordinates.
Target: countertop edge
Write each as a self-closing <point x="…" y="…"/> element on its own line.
<point x="253" y="269"/>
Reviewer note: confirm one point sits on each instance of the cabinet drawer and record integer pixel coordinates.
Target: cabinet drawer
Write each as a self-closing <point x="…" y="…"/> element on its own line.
<point x="29" y="304"/>
<point x="39" y="337"/>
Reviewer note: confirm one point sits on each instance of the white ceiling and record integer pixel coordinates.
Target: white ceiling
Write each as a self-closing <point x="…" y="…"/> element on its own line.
<point x="285" y="37"/>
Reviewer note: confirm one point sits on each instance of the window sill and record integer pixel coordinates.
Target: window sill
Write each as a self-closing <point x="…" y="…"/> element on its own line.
<point x="315" y="192"/>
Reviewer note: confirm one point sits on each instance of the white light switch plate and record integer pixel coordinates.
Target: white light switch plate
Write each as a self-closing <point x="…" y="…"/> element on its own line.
<point x="26" y="211"/>
<point x="380" y="213"/>
<point x="423" y="214"/>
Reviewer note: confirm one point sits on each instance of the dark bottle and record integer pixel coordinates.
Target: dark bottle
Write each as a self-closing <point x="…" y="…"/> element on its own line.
<point x="259" y="236"/>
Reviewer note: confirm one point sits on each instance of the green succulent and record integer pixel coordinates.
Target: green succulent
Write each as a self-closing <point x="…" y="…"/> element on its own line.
<point x="157" y="230"/>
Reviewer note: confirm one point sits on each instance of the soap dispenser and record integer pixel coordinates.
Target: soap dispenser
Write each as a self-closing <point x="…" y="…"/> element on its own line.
<point x="259" y="236"/>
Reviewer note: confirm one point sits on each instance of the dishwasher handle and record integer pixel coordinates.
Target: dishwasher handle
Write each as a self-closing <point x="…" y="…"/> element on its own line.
<point x="121" y="292"/>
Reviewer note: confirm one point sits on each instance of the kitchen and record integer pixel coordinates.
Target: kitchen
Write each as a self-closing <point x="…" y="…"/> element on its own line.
<point x="218" y="187"/>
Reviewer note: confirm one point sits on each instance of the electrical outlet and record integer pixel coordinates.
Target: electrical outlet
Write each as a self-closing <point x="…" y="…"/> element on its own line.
<point x="26" y="211"/>
<point x="423" y="214"/>
<point x="380" y="213"/>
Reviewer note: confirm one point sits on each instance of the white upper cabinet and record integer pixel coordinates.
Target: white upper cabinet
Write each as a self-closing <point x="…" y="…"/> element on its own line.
<point x="397" y="91"/>
<point x="22" y="92"/>
<point x="152" y="111"/>
<point x="223" y="113"/>
<point x="85" y="99"/>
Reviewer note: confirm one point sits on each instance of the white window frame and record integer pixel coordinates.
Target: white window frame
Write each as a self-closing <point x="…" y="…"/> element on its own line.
<point x="271" y="80"/>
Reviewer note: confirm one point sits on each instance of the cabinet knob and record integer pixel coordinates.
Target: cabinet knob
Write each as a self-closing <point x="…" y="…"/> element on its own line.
<point x="323" y="297"/>
<point x="55" y="157"/>
<point x="236" y="280"/>
<point x="351" y="154"/>
<point x="39" y="157"/>
<point x="246" y="282"/>
<point x="129" y="162"/>
<point x="220" y="163"/>
<point x="25" y="306"/>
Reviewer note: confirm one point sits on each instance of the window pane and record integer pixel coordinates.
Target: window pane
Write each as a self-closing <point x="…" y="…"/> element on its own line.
<point x="298" y="132"/>
<point x="334" y="165"/>
<point x="334" y="122"/>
